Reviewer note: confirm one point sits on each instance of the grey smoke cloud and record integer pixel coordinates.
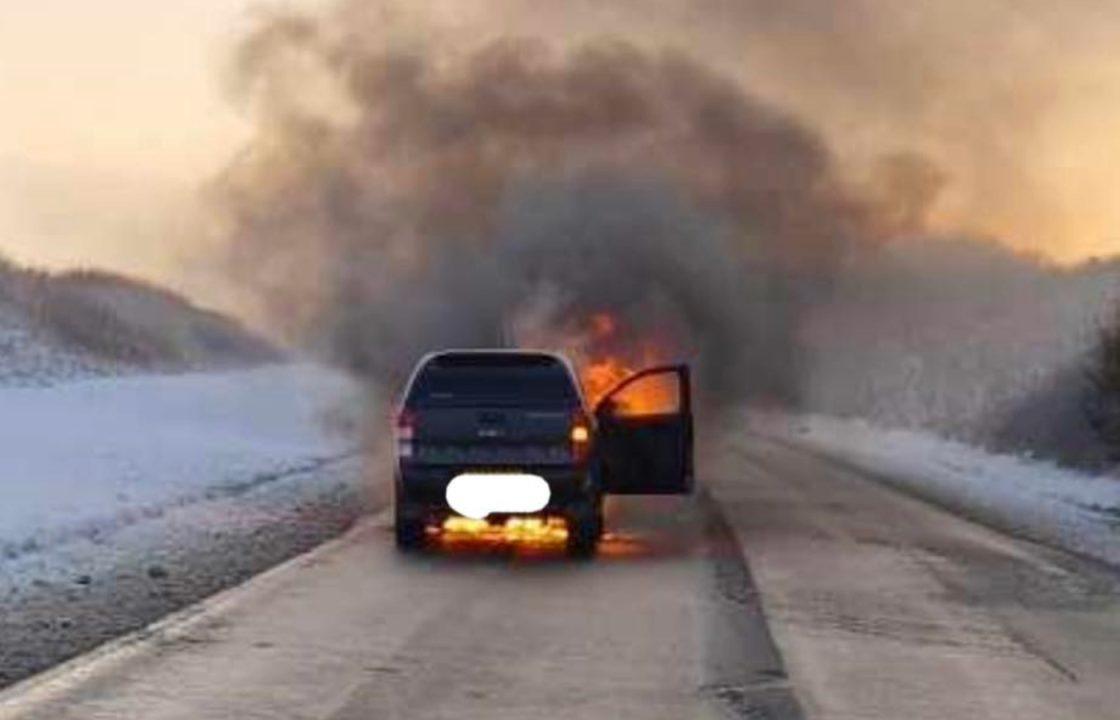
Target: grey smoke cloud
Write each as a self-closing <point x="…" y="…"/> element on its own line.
<point x="401" y="197"/>
<point x="1012" y="100"/>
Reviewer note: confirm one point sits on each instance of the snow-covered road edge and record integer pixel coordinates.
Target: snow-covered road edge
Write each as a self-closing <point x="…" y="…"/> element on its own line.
<point x="84" y="459"/>
<point x="1038" y="500"/>
<point x="123" y="499"/>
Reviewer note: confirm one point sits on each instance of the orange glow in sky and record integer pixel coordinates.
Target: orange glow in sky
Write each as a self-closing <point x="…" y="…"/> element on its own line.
<point x="114" y="112"/>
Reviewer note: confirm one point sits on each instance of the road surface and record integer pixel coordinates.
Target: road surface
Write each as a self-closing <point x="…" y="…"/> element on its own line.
<point x="879" y="606"/>
<point x="663" y="625"/>
<point x="887" y="607"/>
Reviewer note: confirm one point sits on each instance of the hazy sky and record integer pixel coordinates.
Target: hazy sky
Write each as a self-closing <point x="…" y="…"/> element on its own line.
<point x="116" y="84"/>
<point x="112" y="112"/>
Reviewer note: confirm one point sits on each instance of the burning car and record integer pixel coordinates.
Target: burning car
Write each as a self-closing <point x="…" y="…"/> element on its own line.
<point x="492" y="436"/>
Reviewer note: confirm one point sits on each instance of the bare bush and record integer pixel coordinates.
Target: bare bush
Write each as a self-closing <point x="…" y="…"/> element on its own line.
<point x="1103" y="400"/>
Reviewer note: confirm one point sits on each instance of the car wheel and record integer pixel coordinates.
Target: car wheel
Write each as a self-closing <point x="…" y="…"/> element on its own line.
<point x="409" y="528"/>
<point x="585" y="525"/>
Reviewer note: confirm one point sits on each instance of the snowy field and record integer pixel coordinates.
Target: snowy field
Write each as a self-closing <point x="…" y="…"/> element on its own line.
<point x="1035" y="499"/>
<point x="83" y="459"/>
<point x="124" y="499"/>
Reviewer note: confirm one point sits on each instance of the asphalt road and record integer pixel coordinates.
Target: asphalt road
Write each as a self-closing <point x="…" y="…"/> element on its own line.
<point x="665" y="624"/>
<point x="876" y="605"/>
<point x="887" y="607"/>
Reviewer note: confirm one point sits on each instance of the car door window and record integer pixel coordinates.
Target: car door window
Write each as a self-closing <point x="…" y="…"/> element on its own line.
<point x="651" y="395"/>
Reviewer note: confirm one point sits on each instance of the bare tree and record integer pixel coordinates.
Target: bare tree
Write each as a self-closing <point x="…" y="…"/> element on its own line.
<point x="1103" y="399"/>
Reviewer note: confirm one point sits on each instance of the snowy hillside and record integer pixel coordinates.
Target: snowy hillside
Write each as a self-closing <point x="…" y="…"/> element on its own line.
<point x="55" y="328"/>
<point x="31" y="356"/>
<point x="966" y="339"/>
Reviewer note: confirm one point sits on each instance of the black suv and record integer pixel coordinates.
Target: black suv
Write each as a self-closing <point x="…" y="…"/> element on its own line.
<point x="501" y="414"/>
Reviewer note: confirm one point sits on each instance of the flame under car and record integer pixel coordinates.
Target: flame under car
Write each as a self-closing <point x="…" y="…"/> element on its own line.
<point x="490" y="437"/>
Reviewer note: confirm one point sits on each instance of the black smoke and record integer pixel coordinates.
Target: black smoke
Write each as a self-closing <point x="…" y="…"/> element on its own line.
<point x="402" y="198"/>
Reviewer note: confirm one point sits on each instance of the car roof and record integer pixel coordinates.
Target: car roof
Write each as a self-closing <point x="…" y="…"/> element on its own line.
<point x="480" y="353"/>
<point x="497" y="356"/>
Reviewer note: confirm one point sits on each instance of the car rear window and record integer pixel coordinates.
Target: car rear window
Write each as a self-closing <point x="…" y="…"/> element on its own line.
<point x="503" y="379"/>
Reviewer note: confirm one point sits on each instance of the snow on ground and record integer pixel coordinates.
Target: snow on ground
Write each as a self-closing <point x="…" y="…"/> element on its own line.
<point x="123" y="499"/>
<point x="1035" y="499"/>
<point x="83" y="459"/>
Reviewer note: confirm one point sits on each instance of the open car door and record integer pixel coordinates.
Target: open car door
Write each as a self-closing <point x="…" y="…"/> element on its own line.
<point x="645" y="433"/>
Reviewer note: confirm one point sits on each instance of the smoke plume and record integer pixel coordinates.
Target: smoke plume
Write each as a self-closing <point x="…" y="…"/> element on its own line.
<point x="1014" y="101"/>
<point x="599" y="197"/>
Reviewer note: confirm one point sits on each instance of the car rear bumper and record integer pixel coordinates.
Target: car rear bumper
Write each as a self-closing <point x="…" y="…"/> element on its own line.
<point x="425" y="486"/>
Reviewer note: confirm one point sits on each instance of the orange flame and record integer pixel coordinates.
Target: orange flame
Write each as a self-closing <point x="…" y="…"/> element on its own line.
<point x="530" y="532"/>
<point x="600" y="375"/>
<point x="603" y="325"/>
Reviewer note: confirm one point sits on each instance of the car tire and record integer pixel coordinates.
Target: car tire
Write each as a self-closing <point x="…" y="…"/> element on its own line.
<point x="408" y="526"/>
<point x="585" y="526"/>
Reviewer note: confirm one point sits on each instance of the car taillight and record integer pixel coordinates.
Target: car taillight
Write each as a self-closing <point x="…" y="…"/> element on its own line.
<point x="406" y="429"/>
<point x="580" y="437"/>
